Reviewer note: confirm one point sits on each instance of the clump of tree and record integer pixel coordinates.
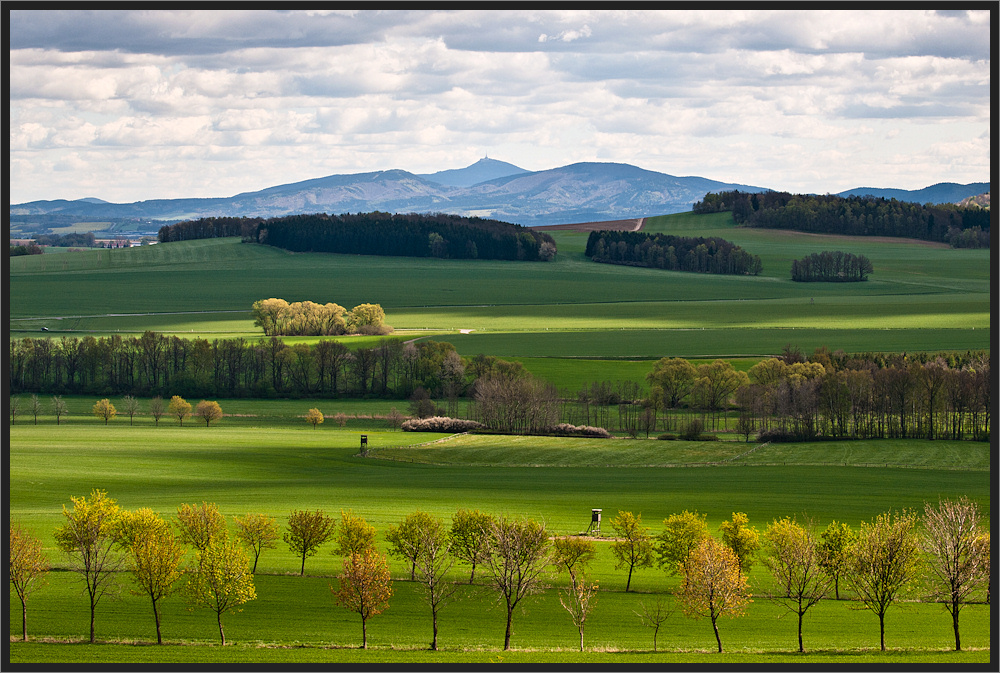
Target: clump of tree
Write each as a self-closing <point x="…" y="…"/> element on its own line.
<point x="278" y="317"/>
<point x="71" y="240"/>
<point x="850" y="216"/>
<point x="674" y="253"/>
<point x="377" y="233"/>
<point x="27" y="249"/>
<point x="831" y="267"/>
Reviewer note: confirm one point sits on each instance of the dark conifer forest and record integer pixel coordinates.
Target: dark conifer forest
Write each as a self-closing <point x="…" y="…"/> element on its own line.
<point x="674" y="253"/>
<point x="377" y="233"/>
<point x="854" y="216"/>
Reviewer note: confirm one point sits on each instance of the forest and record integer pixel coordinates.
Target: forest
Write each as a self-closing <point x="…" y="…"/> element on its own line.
<point x="854" y="216"/>
<point x="377" y="233"/>
<point x="674" y="253"/>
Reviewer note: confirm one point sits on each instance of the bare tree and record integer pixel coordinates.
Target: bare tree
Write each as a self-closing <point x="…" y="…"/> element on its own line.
<point x="59" y="407"/>
<point x="130" y="406"/>
<point x="156" y="409"/>
<point x="519" y="553"/>
<point x="957" y="554"/>
<point x="653" y="616"/>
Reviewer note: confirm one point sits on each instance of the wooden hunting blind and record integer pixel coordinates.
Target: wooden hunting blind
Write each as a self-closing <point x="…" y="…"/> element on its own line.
<point x="595" y="523"/>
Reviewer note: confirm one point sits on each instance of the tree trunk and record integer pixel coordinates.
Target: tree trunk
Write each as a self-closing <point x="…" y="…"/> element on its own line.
<point x="156" y="617"/>
<point x="24" y="622"/>
<point x="92" y="609"/>
<point x="506" y="636"/>
<point x="364" y="633"/>
<point x="800" y="633"/>
<point x="434" y="641"/>
<point x="222" y="633"/>
<point x="303" y="570"/>
<point x="881" y="629"/>
<point x="954" y="619"/>
<point x="715" y="626"/>
<point x="629" y="582"/>
<point x="581" y="640"/>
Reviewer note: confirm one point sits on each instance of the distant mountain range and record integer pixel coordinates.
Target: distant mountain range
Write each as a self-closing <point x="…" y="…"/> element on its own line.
<point x="582" y="192"/>
<point x="942" y="192"/>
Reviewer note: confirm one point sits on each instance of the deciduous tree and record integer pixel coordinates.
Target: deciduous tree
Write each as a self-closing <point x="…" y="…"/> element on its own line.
<point x="88" y="537"/>
<point x="156" y="409"/>
<point x="579" y="599"/>
<point x="59" y="408"/>
<point x="104" y="409"/>
<point x="470" y="531"/>
<point x="681" y="534"/>
<point x="430" y="549"/>
<point x="199" y="524"/>
<point x="179" y="407"/>
<point x="353" y="535"/>
<point x="405" y="539"/>
<point x="27" y="567"/>
<point x="832" y="547"/>
<point x="155" y="557"/>
<point x="208" y="411"/>
<point x="257" y="531"/>
<point x="221" y="579"/>
<point x="573" y="554"/>
<point x="130" y="406"/>
<point x="742" y="538"/>
<point x="633" y="547"/>
<point x="307" y="531"/>
<point x="365" y="586"/>
<point x="653" y="616"/>
<point x="884" y="562"/>
<point x="314" y="416"/>
<point x="957" y="554"/>
<point x="792" y="556"/>
<point x="519" y="551"/>
<point x="712" y="584"/>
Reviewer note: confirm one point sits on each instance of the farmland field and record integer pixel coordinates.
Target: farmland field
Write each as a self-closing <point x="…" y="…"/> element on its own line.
<point x="249" y="464"/>
<point x="570" y="322"/>
<point x="921" y="296"/>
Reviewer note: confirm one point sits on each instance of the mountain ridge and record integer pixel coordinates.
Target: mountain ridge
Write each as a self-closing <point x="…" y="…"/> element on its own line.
<point x="578" y="192"/>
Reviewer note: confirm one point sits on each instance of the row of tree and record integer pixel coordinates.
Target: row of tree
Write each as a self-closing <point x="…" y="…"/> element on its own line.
<point x="831" y="266"/>
<point x="306" y="318"/>
<point x="674" y="253"/>
<point x="378" y="233"/>
<point x="851" y="216"/>
<point x="881" y="562"/>
<point x="790" y="397"/>
<point x="837" y="396"/>
<point x="155" y="364"/>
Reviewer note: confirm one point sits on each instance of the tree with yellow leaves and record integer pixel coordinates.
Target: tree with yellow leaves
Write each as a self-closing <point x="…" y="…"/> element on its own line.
<point x="104" y="409"/>
<point x="712" y="584"/>
<point x="208" y="411"/>
<point x="221" y="579"/>
<point x="315" y="416"/>
<point x="257" y="531"/>
<point x="179" y="407"/>
<point x="27" y="568"/>
<point x="89" y="537"/>
<point x="155" y="557"/>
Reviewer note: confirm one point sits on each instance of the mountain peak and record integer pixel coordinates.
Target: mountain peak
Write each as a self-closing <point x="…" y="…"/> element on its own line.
<point x="483" y="170"/>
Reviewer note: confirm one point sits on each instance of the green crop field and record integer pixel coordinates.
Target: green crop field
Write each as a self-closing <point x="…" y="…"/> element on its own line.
<point x="570" y="322"/>
<point x="921" y="297"/>
<point x="254" y="462"/>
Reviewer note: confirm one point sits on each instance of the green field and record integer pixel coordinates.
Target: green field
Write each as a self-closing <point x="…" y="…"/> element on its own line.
<point x="570" y="322"/>
<point x="921" y="297"/>
<point x="250" y="463"/>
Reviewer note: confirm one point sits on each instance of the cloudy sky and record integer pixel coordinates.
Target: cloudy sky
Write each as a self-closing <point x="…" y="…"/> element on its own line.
<point x="134" y="105"/>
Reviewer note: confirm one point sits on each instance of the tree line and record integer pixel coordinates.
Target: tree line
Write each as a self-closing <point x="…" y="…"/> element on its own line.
<point x="377" y="233"/>
<point x="832" y="267"/>
<point x="885" y="561"/>
<point x="674" y="253"/>
<point x="791" y="397"/>
<point x="852" y="215"/>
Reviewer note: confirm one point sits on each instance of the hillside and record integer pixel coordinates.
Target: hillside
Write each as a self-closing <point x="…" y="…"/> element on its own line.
<point x="490" y="189"/>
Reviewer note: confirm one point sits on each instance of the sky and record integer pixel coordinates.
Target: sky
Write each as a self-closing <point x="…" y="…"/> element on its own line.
<point x="142" y="104"/>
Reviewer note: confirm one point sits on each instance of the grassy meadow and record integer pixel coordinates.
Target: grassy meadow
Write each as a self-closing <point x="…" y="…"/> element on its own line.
<point x="246" y="463"/>
<point x="570" y="322"/>
<point x="921" y="297"/>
